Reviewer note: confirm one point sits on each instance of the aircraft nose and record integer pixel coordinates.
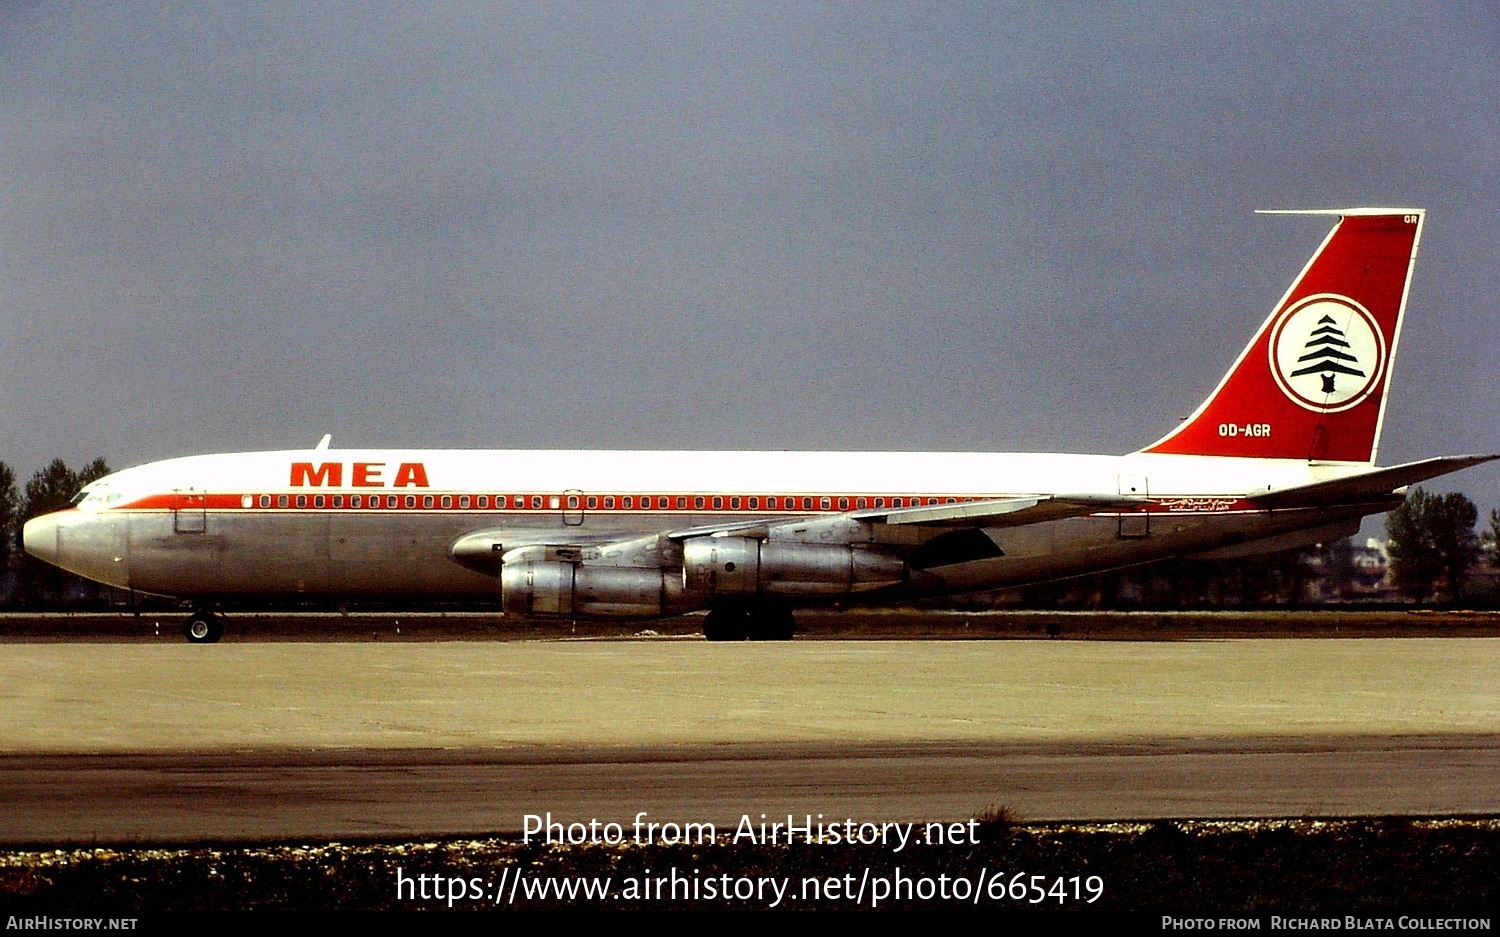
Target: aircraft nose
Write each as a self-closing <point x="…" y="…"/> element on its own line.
<point x="89" y="543"/>
<point x="39" y="537"/>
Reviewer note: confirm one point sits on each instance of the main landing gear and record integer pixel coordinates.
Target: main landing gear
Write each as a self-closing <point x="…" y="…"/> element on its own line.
<point x="203" y="628"/>
<point x="756" y="623"/>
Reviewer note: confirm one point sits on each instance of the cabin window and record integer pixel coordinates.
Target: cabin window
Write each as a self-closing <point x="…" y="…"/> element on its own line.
<point x="427" y="501"/>
<point x="718" y="503"/>
<point x="698" y="501"/>
<point x="483" y="502"/>
<point x="302" y="501"/>
<point x="860" y="503"/>
<point x="554" y="502"/>
<point x="338" y="501"/>
<point x="771" y="503"/>
<point x="609" y="502"/>
<point x="825" y="503"/>
<point x="356" y="501"/>
<point x="411" y="501"/>
<point x="265" y="501"/>
<point x="681" y="502"/>
<point x="755" y="504"/>
<point x="317" y="501"/>
<point x="463" y="502"/>
<point x="572" y="502"/>
<point x="734" y="504"/>
<point x="592" y="502"/>
<point x="536" y="502"/>
<point x="843" y="504"/>
<point x="627" y="502"/>
<point x="447" y="501"/>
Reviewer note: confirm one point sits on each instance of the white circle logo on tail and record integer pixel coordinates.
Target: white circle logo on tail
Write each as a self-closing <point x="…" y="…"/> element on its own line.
<point x="1327" y="353"/>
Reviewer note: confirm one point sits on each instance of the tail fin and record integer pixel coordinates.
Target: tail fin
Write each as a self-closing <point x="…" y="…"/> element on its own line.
<point x="1312" y="383"/>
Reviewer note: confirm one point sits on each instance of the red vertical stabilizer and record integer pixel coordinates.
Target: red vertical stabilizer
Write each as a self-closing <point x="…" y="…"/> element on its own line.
<point x="1312" y="383"/>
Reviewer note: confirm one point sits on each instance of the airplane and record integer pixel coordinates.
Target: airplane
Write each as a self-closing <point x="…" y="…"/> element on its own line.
<point x="1281" y="454"/>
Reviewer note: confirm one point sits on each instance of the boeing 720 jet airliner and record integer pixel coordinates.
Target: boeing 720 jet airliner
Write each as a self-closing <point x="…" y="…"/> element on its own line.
<point x="1280" y="455"/>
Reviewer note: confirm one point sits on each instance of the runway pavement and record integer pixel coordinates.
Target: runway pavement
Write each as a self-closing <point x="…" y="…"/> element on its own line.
<point x="265" y="741"/>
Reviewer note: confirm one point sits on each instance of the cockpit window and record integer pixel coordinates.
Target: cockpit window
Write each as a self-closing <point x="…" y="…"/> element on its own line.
<point x="93" y="498"/>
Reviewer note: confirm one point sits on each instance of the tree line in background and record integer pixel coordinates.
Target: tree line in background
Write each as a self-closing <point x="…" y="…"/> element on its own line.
<point x="28" y="581"/>
<point x="1434" y="546"/>
<point x="1433" y="551"/>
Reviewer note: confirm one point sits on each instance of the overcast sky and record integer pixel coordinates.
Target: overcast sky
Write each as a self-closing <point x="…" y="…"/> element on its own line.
<point x="634" y="225"/>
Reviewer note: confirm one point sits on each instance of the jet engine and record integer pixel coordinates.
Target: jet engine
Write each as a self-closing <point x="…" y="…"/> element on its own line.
<point x="744" y="566"/>
<point x="550" y="588"/>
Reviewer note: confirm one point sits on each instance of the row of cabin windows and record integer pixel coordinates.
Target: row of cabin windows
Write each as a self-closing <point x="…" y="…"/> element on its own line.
<point x="593" y="502"/>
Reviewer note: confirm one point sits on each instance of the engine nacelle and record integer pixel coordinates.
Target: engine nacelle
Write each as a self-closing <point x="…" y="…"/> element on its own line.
<point x="541" y="589"/>
<point x="743" y="566"/>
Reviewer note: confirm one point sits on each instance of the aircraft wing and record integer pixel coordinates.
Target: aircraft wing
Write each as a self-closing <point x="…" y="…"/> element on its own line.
<point x="754" y="529"/>
<point x="1371" y="485"/>
<point x="994" y="512"/>
<point x="1002" y="512"/>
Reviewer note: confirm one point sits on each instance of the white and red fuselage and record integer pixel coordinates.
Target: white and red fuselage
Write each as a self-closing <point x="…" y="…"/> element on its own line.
<point x="368" y="524"/>
<point x="1282" y="453"/>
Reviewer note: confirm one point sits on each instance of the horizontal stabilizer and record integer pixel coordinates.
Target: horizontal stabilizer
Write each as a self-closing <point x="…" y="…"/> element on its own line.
<point x="1374" y="484"/>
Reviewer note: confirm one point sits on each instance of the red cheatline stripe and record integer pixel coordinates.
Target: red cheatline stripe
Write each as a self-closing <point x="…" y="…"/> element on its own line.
<point x="552" y="503"/>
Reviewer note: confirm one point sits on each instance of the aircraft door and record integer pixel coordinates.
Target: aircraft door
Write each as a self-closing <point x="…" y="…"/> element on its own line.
<point x="189" y="512"/>
<point x="572" y="507"/>
<point x="1134" y="525"/>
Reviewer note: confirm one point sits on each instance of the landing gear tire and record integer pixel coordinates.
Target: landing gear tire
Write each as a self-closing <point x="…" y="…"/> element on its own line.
<point x="772" y="624"/>
<point x="726" y="624"/>
<point x="203" y="628"/>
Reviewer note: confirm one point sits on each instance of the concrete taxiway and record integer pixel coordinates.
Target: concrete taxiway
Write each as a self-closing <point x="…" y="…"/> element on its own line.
<point x="261" y="741"/>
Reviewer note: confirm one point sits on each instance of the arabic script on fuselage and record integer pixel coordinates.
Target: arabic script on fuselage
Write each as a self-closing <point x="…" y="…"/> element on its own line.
<point x="1197" y="504"/>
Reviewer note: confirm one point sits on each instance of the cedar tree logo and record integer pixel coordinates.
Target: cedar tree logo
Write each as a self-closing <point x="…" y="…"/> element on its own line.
<point x="1327" y="353"/>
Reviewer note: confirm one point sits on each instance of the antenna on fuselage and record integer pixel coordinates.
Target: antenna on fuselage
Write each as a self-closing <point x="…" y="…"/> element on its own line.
<point x="323" y="443"/>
